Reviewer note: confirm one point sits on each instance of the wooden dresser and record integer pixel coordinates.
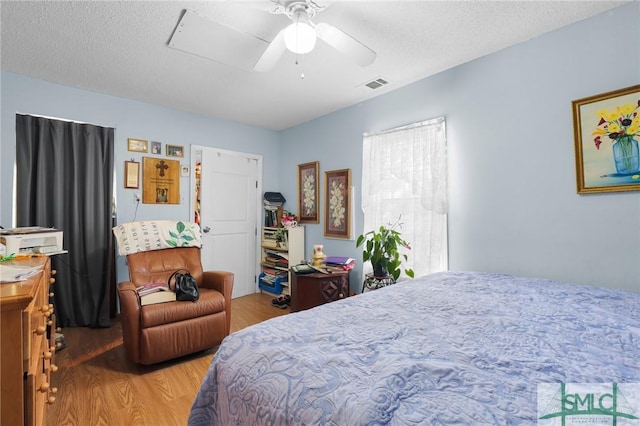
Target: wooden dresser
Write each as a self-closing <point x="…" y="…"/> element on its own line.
<point x="310" y="290"/>
<point x="27" y="345"/>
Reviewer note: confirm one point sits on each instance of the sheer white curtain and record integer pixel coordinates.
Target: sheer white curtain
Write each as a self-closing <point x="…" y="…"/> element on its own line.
<point x="404" y="174"/>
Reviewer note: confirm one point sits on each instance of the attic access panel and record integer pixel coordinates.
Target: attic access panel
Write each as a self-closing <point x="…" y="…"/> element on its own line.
<point x="203" y="37"/>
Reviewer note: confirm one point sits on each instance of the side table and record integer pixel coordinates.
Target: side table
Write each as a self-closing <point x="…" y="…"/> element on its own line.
<point x="310" y="290"/>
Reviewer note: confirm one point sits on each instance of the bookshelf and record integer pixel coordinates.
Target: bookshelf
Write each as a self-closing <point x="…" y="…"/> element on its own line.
<point x="277" y="257"/>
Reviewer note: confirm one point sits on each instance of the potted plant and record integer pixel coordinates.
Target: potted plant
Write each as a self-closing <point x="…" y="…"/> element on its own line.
<point x="381" y="248"/>
<point x="281" y="237"/>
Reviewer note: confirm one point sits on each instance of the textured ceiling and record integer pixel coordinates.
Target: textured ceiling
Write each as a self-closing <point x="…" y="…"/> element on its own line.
<point x="121" y="48"/>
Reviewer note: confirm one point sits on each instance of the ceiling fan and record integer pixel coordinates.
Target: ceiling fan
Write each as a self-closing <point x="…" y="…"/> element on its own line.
<point x="300" y="36"/>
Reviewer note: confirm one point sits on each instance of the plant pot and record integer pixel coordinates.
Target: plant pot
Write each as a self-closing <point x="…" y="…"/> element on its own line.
<point x="380" y="271"/>
<point x="374" y="282"/>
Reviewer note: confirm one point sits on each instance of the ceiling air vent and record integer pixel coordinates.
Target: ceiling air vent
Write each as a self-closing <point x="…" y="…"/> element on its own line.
<point x="374" y="84"/>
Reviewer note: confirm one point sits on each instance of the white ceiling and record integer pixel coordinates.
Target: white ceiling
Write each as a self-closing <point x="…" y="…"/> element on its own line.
<point x="121" y="48"/>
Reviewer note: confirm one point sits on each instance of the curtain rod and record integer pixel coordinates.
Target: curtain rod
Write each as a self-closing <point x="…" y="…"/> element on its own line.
<point x="436" y="120"/>
<point x="63" y="119"/>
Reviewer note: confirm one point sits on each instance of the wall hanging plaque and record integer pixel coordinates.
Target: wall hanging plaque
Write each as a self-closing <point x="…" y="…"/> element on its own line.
<point x="160" y="181"/>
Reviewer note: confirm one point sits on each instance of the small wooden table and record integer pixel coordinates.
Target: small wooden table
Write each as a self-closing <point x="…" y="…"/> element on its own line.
<point x="311" y="290"/>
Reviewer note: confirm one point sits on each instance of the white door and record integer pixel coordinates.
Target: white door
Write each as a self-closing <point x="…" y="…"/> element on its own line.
<point x="228" y="216"/>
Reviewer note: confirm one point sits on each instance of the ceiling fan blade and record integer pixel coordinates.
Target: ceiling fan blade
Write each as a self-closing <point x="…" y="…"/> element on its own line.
<point x="272" y="54"/>
<point x="345" y="44"/>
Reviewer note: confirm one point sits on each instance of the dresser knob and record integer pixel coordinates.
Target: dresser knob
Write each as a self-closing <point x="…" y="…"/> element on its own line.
<point x="52" y="349"/>
<point x="53" y="272"/>
<point x="40" y="330"/>
<point x="53" y="368"/>
<point x="52" y="280"/>
<point x="48" y="355"/>
<point x="50" y="323"/>
<point x="51" y="400"/>
<point x="44" y="308"/>
<point x="58" y="329"/>
<point x="51" y="306"/>
<point x="341" y="296"/>
<point x="51" y="294"/>
<point x="58" y="345"/>
<point x="44" y="387"/>
<point x="54" y="390"/>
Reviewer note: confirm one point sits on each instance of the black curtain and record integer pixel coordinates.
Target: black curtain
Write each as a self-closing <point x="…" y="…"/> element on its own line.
<point x="65" y="181"/>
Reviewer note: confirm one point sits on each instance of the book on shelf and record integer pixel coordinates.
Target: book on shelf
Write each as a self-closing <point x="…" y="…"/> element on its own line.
<point x="274" y="199"/>
<point x="277" y="254"/>
<point x="153" y="293"/>
<point x="272" y="216"/>
<point x="270" y="279"/>
<point x="274" y="272"/>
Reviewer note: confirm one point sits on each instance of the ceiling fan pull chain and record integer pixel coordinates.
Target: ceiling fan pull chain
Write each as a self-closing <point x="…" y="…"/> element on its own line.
<point x="298" y="62"/>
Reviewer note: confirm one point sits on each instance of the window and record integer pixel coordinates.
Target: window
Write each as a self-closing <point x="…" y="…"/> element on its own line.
<point x="404" y="175"/>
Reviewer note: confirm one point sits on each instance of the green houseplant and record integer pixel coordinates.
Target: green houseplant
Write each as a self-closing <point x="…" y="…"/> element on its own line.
<point x="381" y="248"/>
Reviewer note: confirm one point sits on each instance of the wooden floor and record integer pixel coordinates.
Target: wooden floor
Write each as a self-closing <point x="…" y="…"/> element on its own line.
<point x="97" y="385"/>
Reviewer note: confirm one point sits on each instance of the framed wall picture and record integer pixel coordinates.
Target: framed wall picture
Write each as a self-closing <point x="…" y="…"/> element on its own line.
<point x="337" y="204"/>
<point x="308" y="192"/>
<point x="137" y="145"/>
<point x="184" y="171"/>
<point x="607" y="131"/>
<point x="131" y="174"/>
<point x="175" y="151"/>
<point x="160" y="181"/>
<point x="156" y="147"/>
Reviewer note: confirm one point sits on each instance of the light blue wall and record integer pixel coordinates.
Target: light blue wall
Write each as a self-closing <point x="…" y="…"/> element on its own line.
<point x="512" y="186"/>
<point x="131" y="119"/>
<point x="513" y="201"/>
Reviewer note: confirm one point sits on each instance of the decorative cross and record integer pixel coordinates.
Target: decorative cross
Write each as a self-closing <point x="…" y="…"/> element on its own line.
<point x="162" y="167"/>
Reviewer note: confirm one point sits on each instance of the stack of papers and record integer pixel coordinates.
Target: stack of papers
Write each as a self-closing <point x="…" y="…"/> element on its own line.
<point x="10" y="273"/>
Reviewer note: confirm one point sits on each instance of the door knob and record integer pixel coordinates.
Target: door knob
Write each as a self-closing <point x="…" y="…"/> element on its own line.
<point x="206" y="229"/>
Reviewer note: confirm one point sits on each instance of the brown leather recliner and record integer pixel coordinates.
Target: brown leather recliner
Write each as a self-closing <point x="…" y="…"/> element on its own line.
<point x="162" y="331"/>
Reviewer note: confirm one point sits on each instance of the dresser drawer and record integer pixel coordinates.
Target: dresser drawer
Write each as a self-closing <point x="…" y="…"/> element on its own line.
<point x="35" y="328"/>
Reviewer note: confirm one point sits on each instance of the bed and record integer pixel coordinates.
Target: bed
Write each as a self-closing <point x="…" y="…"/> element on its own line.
<point x="452" y="347"/>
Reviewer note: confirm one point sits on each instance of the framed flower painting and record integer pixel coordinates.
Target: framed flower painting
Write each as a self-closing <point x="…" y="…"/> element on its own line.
<point x="308" y="192"/>
<point x="337" y="204"/>
<point x="606" y="130"/>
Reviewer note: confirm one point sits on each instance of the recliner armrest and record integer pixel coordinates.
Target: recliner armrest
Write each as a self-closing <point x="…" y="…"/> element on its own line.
<point x="130" y="317"/>
<point x="223" y="282"/>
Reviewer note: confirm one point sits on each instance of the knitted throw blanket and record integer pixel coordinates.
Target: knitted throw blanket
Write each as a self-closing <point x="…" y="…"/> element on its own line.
<point x="134" y="237"/>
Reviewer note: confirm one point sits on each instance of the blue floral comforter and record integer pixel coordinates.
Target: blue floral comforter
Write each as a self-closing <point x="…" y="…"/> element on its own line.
<point x="464" y="348"/>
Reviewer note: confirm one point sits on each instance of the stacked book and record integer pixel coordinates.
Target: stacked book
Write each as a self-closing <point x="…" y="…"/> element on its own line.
<point x="341" y="263"/>
<point x="272" y="275"/>
<point x="276" y="259"/>
<point x="152" y="293"/>
<point x="273" y="202"/>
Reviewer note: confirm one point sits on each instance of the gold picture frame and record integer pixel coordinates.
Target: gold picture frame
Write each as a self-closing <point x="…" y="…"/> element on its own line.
<point x="606" y="131"/>
<point x="308" y="193"/>
<point x="132" y="174"/>
<point x="160" y="181"/>
<point x="337" y="204"/>
<point x="175" y="151"/>
<point x="137" y="145"/>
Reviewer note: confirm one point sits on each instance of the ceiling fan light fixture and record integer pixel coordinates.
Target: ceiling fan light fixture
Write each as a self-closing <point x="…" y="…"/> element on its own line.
<point x="300" y="37"/>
